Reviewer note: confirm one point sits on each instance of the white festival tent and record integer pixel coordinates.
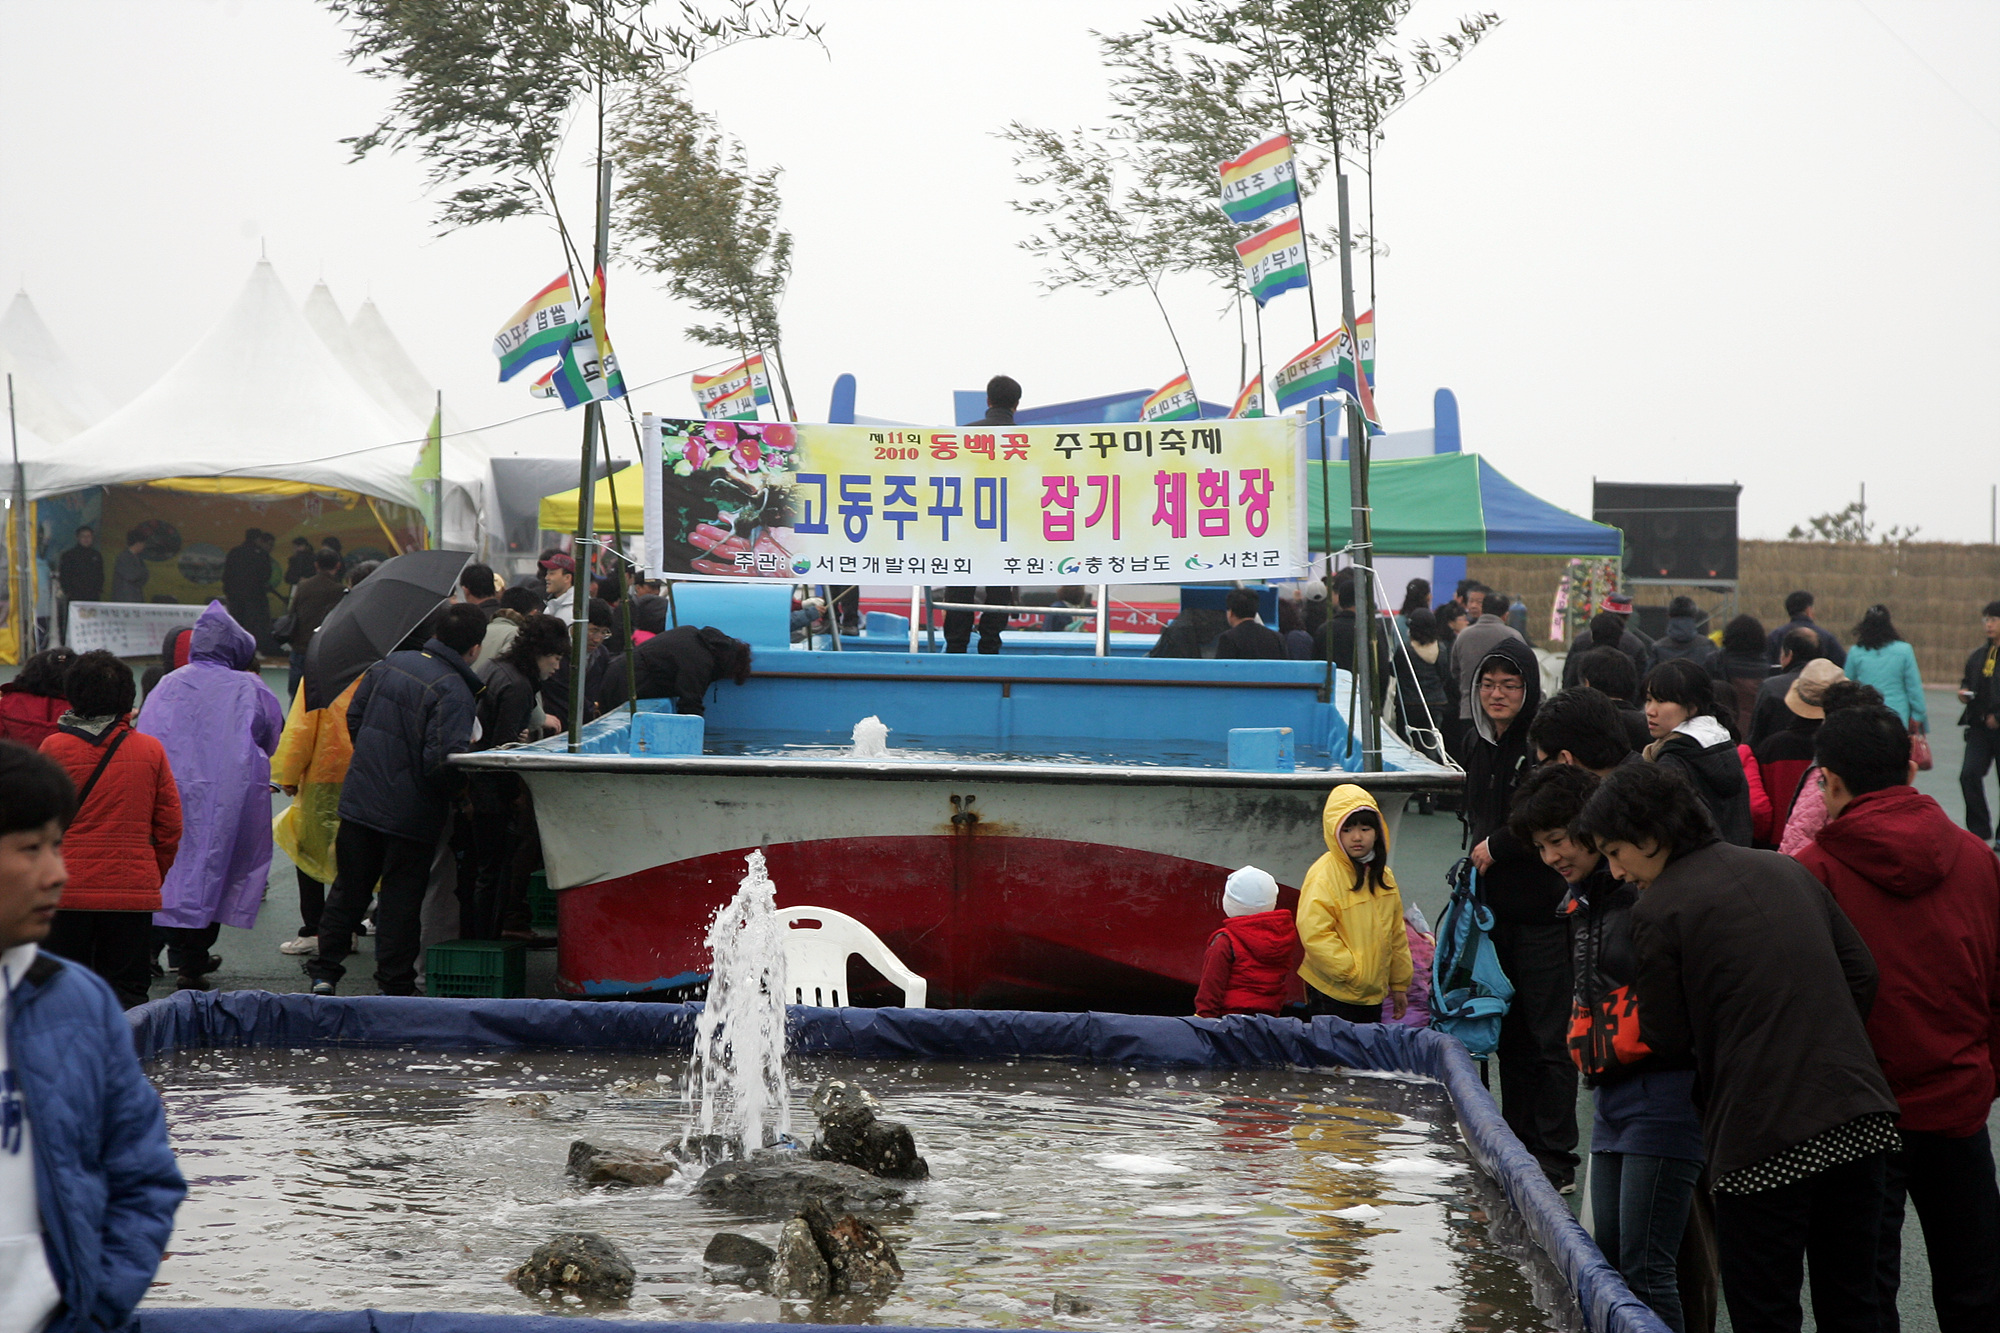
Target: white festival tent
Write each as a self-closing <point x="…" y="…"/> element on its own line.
<point x="52" y="396"/>
<point x="262" y="396"/>
<point x="378" y="363"/>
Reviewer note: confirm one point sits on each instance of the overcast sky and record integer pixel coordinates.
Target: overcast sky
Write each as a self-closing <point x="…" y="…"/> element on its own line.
<point x="1659" y="241"/>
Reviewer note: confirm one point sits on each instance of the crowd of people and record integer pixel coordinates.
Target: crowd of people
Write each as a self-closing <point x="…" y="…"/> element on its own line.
<point x="1723" y="905"/>
<point x="174" y="834"/>
<point x="1718" y="896"/>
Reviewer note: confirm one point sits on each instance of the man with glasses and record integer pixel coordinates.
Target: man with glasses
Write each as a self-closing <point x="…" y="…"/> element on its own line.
<point x="1537" y="1078"/>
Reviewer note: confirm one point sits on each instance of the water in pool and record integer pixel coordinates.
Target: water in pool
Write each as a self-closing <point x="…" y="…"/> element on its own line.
<point x="1222" y="1200"/>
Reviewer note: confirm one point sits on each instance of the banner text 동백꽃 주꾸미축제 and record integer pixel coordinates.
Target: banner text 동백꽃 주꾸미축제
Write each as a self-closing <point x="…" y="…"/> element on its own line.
<point x="1126" y="502"/>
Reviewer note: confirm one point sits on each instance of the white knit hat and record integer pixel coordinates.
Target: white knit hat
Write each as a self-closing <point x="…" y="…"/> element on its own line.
<point x="1249" y="890"/>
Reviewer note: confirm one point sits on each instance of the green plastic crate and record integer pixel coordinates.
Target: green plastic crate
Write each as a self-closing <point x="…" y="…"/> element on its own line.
<point x="477" y="969"/>
<point x="541" y="903"/>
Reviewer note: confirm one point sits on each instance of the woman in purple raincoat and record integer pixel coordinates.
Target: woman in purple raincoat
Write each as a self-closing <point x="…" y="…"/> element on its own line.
<point x="220" y="724"/>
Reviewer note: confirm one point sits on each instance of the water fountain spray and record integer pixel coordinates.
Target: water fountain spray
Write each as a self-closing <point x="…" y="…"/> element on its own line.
<point x="737" y="1076"/>
<point x="871" y="739"/>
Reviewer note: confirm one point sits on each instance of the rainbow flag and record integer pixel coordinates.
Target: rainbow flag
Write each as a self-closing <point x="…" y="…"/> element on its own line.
<point x="541" y="328"/>
<point x="1276" y="259"/>
<point x="1328" y="367"/>
<point x="588" y="371"/>
<point x="1259" y="182"/>
<point x="1249" y="403"/>
<point x="734" y="393"/>
<point x="1174" y="402"/>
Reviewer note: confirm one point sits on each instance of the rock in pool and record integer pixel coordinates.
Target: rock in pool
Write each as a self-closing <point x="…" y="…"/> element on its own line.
<point x="614" y="1165"/>
<point x="733" y="1258"/>
<point x="801" y="1271"/>
<point x="860" y="1257"/>
<point x="576" y="1263"/>
<point x="851" y="1131"/>
<point x="783" y="1181"/>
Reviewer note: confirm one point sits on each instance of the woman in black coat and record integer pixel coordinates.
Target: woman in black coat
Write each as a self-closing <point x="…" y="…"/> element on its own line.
<point x="1748" y="967"/>
<point x="502" y="819"/>
<point x="1687" y="735"/>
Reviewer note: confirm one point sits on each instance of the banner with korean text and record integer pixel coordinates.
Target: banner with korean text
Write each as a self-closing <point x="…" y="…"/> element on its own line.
<point x="1154" y="502"/>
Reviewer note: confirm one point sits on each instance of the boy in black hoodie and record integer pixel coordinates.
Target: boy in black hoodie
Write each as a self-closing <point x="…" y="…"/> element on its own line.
<point x="1537" y="1080"/>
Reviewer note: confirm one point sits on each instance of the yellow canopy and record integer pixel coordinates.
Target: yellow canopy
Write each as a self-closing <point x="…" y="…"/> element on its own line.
<point x="558" y="512"/>
<point x="252" y="486"/>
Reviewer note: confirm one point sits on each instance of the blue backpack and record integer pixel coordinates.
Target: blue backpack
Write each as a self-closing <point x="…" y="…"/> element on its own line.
<point x="1469" y="992"/>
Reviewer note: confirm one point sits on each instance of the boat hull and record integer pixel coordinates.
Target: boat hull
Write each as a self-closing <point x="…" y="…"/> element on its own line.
<point x="1003" y="890"/>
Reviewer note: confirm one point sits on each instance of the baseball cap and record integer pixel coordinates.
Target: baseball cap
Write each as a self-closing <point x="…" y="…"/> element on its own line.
<point x="560" y="561"/>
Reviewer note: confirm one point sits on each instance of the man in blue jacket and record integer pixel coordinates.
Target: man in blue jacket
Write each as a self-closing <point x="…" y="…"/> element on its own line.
<point x="413" y="712"/>
<point x="88" y="1185"/>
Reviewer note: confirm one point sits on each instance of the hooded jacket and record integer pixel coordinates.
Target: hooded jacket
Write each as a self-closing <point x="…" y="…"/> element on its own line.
<point x="1681" y="641"/>
<point x="105" y="1177"/>
<point x="1519" y="888"/>
<point x="27" y="718"/>
<point x="1925" y="895"/>
<point x="413" y="712"/>
<point x="219" y="724"/>
<point x="1249" y="965"/>
<point x="1474" y="644"/>
<point x="1748" y="966"/>
<point x="1356" y="950"/>
<point x="123" y="840"/>
<point x="1702" y="749"/>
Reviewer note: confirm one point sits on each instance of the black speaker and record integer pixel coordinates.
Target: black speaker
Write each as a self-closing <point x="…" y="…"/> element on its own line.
<point x="1686" y="533"/>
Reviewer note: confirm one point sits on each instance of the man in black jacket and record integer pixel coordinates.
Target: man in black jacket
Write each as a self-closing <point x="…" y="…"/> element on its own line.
<point x="680" y="665"/>
<point x="413" y="712"/>
<point x="1247" y="637"/>
<point x="246" y="584"/>
<point x="80" y="572"/>
<point x="1003" y="395"/>
<point x="1979" y="691"/>
<point x="1537" y="1079"/>
<point x="1799" y="605"/>
<point x="1769" y="715"/>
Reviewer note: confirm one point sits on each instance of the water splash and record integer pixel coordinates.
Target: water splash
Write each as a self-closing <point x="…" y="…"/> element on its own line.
<point x="871" y="739"/>
<point x="737" y="1074"/>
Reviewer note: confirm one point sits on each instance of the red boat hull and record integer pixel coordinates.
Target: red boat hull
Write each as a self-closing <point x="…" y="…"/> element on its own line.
<point x="991" y="922"/>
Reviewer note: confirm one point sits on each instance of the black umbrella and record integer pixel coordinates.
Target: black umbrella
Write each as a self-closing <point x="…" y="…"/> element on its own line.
<point x="366" y="625"/>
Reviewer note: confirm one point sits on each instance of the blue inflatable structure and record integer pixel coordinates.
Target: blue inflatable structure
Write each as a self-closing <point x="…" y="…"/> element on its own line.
<point x="192" y="1019"/>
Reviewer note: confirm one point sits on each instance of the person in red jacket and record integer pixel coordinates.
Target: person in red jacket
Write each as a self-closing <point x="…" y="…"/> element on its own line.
<point x="1250" y="961"/>
<point x="126" y="831"/>
<point x="1925" y="896"/>
<point x="32" y="701"/>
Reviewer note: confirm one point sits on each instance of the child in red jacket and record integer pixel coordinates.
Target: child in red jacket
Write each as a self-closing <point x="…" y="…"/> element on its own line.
<point x="1250" y="961"/>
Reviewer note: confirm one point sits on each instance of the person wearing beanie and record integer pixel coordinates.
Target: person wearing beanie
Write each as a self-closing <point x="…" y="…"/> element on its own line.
<point x="1249" y="962"/>
<point x="1350" y="919"/>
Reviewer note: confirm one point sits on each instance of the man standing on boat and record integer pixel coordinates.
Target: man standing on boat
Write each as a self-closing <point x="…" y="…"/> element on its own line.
<point x="1003" y="395"/>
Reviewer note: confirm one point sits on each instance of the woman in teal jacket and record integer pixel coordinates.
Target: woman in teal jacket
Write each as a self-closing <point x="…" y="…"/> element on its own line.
<point x="1882" y="658"/>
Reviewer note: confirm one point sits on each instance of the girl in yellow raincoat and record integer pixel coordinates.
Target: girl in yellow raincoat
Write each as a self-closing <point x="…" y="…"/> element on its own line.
<point x="311" y="763"/>
<point x="1351" y="916"/>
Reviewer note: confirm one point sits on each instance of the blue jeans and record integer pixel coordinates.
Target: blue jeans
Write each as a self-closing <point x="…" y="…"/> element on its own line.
<point x="1640" y="1205"/>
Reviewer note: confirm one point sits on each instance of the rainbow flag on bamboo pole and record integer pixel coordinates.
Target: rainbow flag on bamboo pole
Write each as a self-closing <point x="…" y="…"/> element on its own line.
<point x="541" y="328"/>
<point x="1249" y="403"/>
<point x="1261" y="181"/>
<point x="1275" y="259"/>
<point x="1328" y="367"/>
<point x="735" y="392"/>
<point x="1175" y="401"/>
<point x="588" y="371"/>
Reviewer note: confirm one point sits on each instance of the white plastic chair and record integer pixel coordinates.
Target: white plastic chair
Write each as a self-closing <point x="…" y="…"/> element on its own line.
<point x="818" y="943"/>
